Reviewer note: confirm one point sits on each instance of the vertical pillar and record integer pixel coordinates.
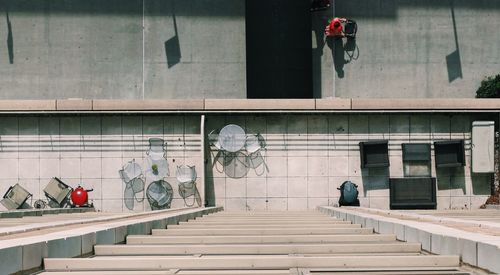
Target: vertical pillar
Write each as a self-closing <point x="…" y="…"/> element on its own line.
<point x="201" y="189"/>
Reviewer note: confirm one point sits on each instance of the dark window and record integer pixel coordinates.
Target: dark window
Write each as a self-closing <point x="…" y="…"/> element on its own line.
<point x="449" y="153"/>
<point x="374" y="154"/>
<point x="416" y="159"/>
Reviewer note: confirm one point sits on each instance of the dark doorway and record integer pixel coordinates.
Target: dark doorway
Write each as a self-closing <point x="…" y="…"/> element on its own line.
<point x="278" y="45"/>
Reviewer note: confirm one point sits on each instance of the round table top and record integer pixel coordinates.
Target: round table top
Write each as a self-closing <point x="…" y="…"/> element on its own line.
<point x="232" y="138"/>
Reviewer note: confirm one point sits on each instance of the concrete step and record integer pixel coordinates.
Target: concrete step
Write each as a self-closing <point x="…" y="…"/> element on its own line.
<point x="261" y="226"/>
<point x="246" y="262"/>
<point x="270" y="239"/>
<point x="229" y="249"/>
<point x="394" y="272"/>
<point x="274" y="219"/>
<point x="177" y="272"/>
<point x="265" y="222"/>
<point x="270" y="231"/>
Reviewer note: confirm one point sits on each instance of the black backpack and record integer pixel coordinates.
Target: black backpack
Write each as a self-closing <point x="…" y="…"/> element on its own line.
<point x="348" y="194"/>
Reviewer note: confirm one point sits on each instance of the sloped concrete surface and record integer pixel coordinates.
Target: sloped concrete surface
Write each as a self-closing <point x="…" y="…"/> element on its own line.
<point x="472" y="234"/>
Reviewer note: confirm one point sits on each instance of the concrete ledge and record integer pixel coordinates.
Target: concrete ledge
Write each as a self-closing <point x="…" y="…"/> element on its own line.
<point x="27" y="253"/>
<point x="425" y="104"/>
<point x="333" y="104"/>
<point x="475" y="249"/>
<point x="125" y="105"/>
<point x="41" y="212"/>
<point x="27" y="105"/>
<point x="269" y="105"/>
<point x="73" y="105"/>
<point x="259" y="104"/>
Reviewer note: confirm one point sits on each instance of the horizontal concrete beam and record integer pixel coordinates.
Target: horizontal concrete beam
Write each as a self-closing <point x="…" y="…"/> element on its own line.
<point x="270" y="239"/>
<point x="259" y="104"/>
<point x="251" y="105"/>
<point x="227" y="249"/>
<point x="334" y="104"/>
<point x="27" y="105"/>
<point x="249" y="262"/>
<point x="425" y="104"/>
<point x="73" y="105"/>
<point x="147" y="105"/>
<point x="271" y="231"/>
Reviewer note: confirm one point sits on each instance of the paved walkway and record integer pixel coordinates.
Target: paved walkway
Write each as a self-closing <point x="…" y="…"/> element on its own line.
<point x="260" y="243"/>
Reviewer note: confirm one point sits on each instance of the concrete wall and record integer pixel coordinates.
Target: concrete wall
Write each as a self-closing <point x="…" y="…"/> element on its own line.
<point x="416" y="48"/>
<point x="122" y="49"/>
<point x="90" y="150"/>
<point x="309" y="156"/>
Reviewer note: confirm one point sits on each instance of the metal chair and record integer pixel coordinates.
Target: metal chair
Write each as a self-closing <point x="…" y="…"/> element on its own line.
<point x="186" y="176"/>
<point x="157" y="156"/>
<point x="15" y="197"/>
<point x="254" y="145"/>
<point x="131" y="174"/>
<point x="57" y="192"/>
<point x="159" y="194"/>
<point x="213" y="139"/>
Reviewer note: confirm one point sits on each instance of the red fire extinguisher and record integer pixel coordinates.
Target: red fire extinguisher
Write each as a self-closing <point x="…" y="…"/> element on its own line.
<point x="80" y="197"/>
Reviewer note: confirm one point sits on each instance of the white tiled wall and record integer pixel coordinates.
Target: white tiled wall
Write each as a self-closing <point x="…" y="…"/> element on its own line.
<point x="310" y="156"/>
<point x="90" y="150"/>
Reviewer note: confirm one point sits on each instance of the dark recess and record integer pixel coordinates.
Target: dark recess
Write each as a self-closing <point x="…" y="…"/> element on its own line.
<point x="278" y="47"/>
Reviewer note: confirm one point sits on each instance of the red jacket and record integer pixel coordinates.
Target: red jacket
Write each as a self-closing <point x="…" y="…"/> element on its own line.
<point x="336" y="30"/>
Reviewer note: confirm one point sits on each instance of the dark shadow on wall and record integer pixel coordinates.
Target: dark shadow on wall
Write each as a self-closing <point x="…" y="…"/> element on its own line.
<point x="451" y="178"/>
<point x="453" y="62"/>
<point x="343" y="53"/>
<point x="172" y="46"/>
<point x="210" y="198"/>
<point x="337" y="46"/>
<point x="482" y="184"/>
<point x="375" y="179"/>
<point x="319" y="21"/>
<point x="359" y="8"/>
<point x="278" y="49"/>
<point x="10" y="39"/>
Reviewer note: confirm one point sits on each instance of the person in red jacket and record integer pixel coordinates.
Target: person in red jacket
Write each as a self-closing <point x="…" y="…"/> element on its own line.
<point x="336" y="27"/>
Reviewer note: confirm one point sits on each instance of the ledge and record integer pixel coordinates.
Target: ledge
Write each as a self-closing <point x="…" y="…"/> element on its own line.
<point x="259" y="104"/>
<point x="425" y="104"/>
<point x="27" y="105"/>
<point x="147" y="105"/>
<point x="334" y="104"/>
<point x="252" y="105"/>
<point x="74" y="105"/>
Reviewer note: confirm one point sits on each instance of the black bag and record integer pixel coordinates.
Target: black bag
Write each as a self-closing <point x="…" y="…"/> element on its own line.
<point x="348" y="194"/>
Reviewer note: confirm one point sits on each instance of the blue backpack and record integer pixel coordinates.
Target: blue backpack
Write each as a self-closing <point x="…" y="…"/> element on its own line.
<point x="348" y="194"/>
